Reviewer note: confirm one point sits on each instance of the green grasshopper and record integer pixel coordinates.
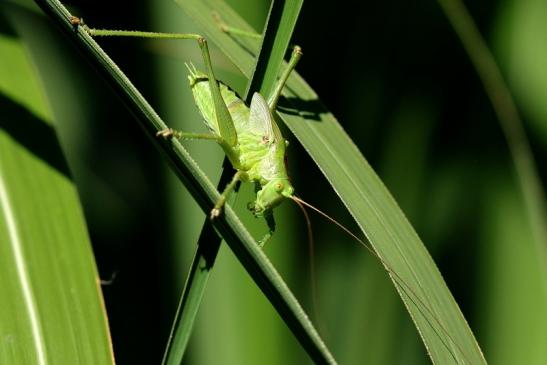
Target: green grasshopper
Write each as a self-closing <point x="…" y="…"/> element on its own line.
<point x="249" y="136"/>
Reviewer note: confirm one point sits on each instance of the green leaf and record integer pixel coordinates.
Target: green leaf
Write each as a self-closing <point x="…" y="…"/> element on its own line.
<point x="277" y="35"/>
<point x="531" y="255"/>
<point x="51" y="309"/>
<point x="522" y="53"/>
<point x="440" y="322"/>
<point x="192" y="295"/>
<point x="508" y="117"/>
<point x="514" y="314"/>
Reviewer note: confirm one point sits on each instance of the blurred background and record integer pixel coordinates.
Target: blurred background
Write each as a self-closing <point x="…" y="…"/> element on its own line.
<point x="400" y="83"/>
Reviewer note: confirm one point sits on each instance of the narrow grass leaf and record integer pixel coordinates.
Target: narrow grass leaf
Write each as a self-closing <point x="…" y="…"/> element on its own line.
<point x="51" y="310"/>
<point x="196" y="282"/>
<point x="277" y="35"/>
<point x="510" y="123"/>
<point x="514" y="315"/>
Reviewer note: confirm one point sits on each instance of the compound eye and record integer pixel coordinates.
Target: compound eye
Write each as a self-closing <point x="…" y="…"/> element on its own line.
<point x="278" y="187"/>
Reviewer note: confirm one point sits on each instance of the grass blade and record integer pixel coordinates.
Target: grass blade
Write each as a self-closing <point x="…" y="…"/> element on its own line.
<point x="510" y="122"/>
<point x="441" y="324"/>
<point x="527" y="262"/>
<point x="278" y="32"/>
<point x="510" y="338"/>
<point x="202" y="264"/>
<point x="51" y="309"/>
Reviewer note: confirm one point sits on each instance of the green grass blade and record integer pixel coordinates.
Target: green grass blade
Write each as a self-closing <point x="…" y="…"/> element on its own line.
<point x="51" y="309"/>
<point x="235" y="234"/>
<point x="513" y="218"/>
<point x="510" y="122"/>
<point x="441" y="324"/>
<point x="514" y="315"/>
<point x="196" y="283"/>
<point x="280" y="25"/>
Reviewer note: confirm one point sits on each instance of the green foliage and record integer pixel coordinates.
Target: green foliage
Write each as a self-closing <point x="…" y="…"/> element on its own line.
<point x="413" y="106"/>
<point x="52" y="308"/>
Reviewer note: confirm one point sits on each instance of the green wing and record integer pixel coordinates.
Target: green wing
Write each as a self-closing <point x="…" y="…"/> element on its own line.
<point x="261" y="120"/>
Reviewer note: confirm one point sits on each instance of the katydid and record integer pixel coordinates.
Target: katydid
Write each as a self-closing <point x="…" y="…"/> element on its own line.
<point x="249" y="136"/>
<point x="258" y="150"/>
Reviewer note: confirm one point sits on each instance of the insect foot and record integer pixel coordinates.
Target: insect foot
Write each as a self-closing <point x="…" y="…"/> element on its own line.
<point x="75" y="21"/>
<point x="220" y="23"/>
<point x="264" y="239"/>
<point x="167" y="133"/>
<point x="215" y="213"/>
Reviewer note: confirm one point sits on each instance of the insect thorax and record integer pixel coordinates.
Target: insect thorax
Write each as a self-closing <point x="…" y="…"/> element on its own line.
<point x="259" y="158"/>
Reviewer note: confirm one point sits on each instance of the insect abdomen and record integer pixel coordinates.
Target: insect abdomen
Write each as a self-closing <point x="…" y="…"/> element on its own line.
<point x="199" y="82"/>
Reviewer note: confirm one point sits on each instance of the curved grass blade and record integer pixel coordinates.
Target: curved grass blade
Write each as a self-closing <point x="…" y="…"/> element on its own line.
<point x="510" y="338"/>
<point x="202" y="264"/>
<point x="528" y="225"/>
<point x="277" y="35"/>
<point x="51" y="311"/>
<point x="438" y="318"/>
<point x="510" y="122"/>
<point x="232" y="230"/>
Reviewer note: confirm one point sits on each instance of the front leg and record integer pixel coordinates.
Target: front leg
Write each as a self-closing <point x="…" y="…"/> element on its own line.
<point x="225" y="123"/>
<point x="233" y="30"/>
<point x="215" y="212"/>
<point x="169" y="133"/>
<point x="270" y="220"/>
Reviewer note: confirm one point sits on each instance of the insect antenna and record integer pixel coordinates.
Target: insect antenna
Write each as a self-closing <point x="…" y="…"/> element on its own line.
<point x="401" y="284"/>
<point x="311" y="253"/>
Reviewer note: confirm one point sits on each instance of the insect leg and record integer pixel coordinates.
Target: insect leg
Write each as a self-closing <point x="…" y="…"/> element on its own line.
<point x="271" y="225"/>
<point x="171" y="133"/>
<point x="215" y="212"/>
<point x="274" y="97"/>
<point x="233" y="30"/>
<point x="231" y="153"/>
<point x="226" y="125"/>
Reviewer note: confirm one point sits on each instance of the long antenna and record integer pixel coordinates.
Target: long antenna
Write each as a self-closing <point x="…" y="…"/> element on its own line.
<point x="406" y="289"/>
<point x="338" y="224"/>
<point x="311" y="252"/>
